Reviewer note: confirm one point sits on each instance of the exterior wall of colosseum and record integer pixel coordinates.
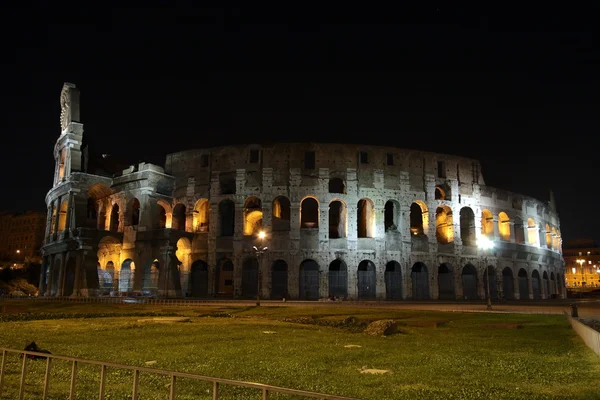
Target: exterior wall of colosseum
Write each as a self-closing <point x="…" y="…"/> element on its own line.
<point x="351" y="221"/>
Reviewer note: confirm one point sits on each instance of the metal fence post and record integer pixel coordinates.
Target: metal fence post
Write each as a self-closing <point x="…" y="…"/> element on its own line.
<point x="23" y="374"/>
<point x="2" y="367"/>
<point x="47" y="378"/>
<point x="73" y="375"/>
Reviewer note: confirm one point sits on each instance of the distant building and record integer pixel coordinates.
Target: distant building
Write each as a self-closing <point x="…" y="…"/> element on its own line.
<point x="21" y="236"/>
<point x="582" y="264"/>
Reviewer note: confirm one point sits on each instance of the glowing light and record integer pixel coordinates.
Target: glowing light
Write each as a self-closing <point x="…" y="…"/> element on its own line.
<point x="484" y="243"/>
<point x="18" y="251"/>
<point x="574" y="270"/>
<point x="261" y="234"/>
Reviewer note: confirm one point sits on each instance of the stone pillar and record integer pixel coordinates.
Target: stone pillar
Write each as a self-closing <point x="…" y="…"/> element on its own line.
<point x="43" y="286"/>
<point x="61" y="274"/>
<point x="380" y="289"/>
<point x="86" y="276"/>
<point x="530" y="284"/>
<point x="57" y="218"/>
<point x="169" y="281"/>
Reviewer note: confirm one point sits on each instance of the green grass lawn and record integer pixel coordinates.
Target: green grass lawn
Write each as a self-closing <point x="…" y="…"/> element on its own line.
<point x="435" y="355"/>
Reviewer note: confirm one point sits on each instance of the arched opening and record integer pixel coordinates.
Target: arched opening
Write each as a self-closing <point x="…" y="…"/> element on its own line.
<point x="487" y="223"/>
<point x="150" y="286"/>
<point x="336" y="185"/>
<point x="337" y="220"/>
<point x="468" y="232"/>
<point x="134" y="212"/>
<point x="555" y="240"/>
<point x="126" y="276"/>
<point x="365" y="213"/>
<point x="227" y="217"/>
<point x="393" y="280"/>
<point x="279" y="280"/>
<point x="523" y="284"/>
<point x="114" y="218"/>
<point x="504" y="226"/>
<point x="250" y="278"/>
<point x="178" y="221"/>
<point x="446" y="289"/>
<point x="420" y="281"/>
<point x="532" y="236"/>
<point x="548" y="237"/>
<point x="252" y="216"/>
<point x="309" y="280"/>
<point x="201" y="215"/>
<point x="69" y="277"/>
<point x="61" y="165"/>
<point x="440" y="194"/>
<point x="552" y="290"/>
<point x="225" y="278"/>
<point x="199" y="280"/>
<point x="367" y="280"/>
<point x="444" y="227"/>
<point x="536" y="285"/>
<point x="546" y="284"/>
<point x="418" y="219"/>
<point x="469" y="282"/>
<point x="491" y="275"/>
<point x="54" y="216"/>
<point x="184" y="255"/>
<point x="390" y="216"/>
<point x="165" y="214"/>
<point x="508" y="284"/>
<point x="105" y="279"/>
<point x="309" y="213"/>
<point x="281" y="214"/>
<point x="338" y="279"/>
<point x="62" y="218"/>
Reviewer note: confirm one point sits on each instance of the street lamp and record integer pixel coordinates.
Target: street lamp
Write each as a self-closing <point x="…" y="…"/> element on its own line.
<point x="259" y="251"/>
<point x="486" y="244"/>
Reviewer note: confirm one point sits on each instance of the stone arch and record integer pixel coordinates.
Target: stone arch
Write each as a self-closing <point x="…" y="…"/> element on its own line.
<point x="555" y="239"/>
<point x="440" y="193"/>
<point x="309" y="213"/>
<point x="552" y="291"/>
<point x="337" y="185"/>
<point x="365" y="215"/>
<point x="446" y="286"/>
<point x="503" y="226"/>
<point x="367" y="280"/>
<point x="109" y="252"/>
<point x="519" y="231"/>
<point x="532" y="236"/>
<point x="523" y="284"/>
<point x="179" y="217"/>
<point x="165" y="214"/>
<point x="126" y="276"/>
<point x="468" y="231"/>
<point x="281" y="214"/>
<point x="490" y="273"/>
<point x="469" y="282"/>
<point x="151" y="280"/>
<point x="226" y="217"/>
<point x="536" y="285"/>
<point x="420" y="281"/>
<point x="338" y="278"/>
<point x="69" y="280"/>
<point x="419" y="218"/>
<point x="444" y="226"/>
<point x="393" y="280"/>
<point x="337" y="219"/>
<point x="62" y="216"/>
<point x="548" y="236"/>
<point x="201" y="215"/>
<point x="253" y="215"/>
<point x="309" y="280"/>
<point x="198" y="283"/>
<point x="54" y="216"/>
<point x="132" y="214"/>
<point x="508" y="284"/>
<point x="279" y="280"/>
<point x="487" y="223"/>
<point x="391" y="216"/>
<point x="114" y="218"/>
<point x="250" y="278"/>
<point x="106" y="277"/>
<point x="224" y="281"/>
<point x="546" y="284"/>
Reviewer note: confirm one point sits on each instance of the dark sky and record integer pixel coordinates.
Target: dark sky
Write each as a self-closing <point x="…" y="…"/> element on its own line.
<point x="515" y="88"/>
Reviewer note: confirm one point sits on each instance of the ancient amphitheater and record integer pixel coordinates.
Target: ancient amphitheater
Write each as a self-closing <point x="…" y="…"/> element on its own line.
<point x="350" y="221"/>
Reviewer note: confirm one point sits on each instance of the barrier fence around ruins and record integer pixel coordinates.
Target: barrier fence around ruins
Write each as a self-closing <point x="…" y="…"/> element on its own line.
<point x="217" y="383"/>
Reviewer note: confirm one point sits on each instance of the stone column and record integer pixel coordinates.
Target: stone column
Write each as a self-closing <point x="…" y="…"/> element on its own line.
<point x="61" y="274"/>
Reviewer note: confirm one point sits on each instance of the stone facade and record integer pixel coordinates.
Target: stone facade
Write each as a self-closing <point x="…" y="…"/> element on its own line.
<point x="351" y="221"/>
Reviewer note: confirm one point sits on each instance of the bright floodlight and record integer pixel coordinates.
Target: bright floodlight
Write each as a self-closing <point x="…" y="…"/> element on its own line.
<point x="484" y="243"/>
<point x="261" y="234"/>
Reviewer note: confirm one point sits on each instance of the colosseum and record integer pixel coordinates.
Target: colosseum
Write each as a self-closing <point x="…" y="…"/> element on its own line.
<point x="300" y="221"/>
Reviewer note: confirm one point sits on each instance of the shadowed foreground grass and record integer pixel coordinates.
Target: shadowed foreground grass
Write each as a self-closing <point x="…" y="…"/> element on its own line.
<point x="434" y="356"/>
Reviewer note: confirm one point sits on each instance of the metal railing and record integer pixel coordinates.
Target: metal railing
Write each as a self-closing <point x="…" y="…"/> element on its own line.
<point x="265" y="390"/>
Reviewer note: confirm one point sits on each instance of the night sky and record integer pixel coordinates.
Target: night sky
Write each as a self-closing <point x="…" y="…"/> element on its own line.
<point x="515" y="88"/>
